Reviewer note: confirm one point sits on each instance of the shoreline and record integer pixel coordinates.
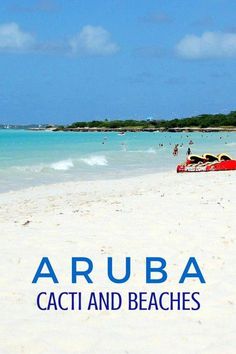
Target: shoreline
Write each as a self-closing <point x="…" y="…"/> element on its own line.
<point x="131" y="130"/>
<point x="108" y="184"/>
<point x="139" y="130"/>
<point x="101" y="178"/>
<point x="70" y="184"/>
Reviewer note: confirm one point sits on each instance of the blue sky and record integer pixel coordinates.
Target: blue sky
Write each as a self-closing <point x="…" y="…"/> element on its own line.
<point x="68" y="60"/>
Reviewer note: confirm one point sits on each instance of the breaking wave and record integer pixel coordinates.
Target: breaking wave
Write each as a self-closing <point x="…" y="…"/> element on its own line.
<point x="95" y="161"/>
<point x="62" y="165"/>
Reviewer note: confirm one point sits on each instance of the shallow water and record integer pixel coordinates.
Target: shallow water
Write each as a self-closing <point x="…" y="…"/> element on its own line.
<point x="31" y="158"/>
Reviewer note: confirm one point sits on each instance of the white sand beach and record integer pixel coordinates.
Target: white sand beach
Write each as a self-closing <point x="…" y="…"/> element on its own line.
<point x="166" y="215"/>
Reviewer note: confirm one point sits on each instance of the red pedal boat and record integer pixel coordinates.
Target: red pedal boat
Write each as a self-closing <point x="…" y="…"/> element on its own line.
<point x="207" y="163"/>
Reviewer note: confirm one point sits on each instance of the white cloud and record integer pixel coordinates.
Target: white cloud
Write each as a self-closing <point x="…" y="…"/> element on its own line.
<point x="93" y="40"/>
<point x="208" y="45"/>
<point x="12" y="38"/>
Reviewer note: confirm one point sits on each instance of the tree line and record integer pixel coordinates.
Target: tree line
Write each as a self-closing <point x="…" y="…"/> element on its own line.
<point x="201" y="121"/>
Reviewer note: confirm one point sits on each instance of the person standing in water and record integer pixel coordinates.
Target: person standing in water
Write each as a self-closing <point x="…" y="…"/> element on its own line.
<point x="176" y="150"/>
<point x="188" y="151"/>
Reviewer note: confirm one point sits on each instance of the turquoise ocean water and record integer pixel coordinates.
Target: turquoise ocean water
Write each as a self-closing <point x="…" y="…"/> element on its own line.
<point x="29" y="158"/>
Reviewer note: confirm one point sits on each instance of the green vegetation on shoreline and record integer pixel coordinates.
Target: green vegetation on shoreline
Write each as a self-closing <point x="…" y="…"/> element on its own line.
<point x="202" y="121"/>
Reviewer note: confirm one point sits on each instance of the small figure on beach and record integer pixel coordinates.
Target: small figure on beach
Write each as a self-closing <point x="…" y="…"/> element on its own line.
<point x="191" y="142"/>
<point x="176" y="150"/>
<point x="188" y="151"/>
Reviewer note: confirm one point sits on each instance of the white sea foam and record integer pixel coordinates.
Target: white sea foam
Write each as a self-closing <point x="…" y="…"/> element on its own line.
<point x="151" y="151"/>
<point x="62" y="165"/>
<point x="33" y="168"/>
<point x="148" y="151"/>
<point x="95" y="161"/>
